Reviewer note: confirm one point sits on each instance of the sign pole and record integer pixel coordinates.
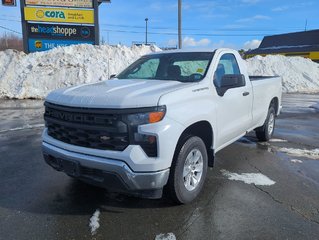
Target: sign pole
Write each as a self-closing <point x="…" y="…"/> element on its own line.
<point x="24" y="27"/>
<point x="96" y="22"/>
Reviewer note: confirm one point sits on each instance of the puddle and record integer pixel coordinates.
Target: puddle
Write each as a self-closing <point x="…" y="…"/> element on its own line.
<point x="246" y="140"/>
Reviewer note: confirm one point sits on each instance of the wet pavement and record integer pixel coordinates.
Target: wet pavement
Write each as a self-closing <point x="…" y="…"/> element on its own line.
<point x="39" y="203"/>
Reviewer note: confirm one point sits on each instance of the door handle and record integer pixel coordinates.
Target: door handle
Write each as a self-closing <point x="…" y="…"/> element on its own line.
<point x="245" y="94"/>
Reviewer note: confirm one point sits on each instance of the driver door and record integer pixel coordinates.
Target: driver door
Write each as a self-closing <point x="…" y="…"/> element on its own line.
<point x="234" y="108"/>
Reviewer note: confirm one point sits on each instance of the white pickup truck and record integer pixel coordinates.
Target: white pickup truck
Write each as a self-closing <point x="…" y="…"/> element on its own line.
<point x="159" y="123"/>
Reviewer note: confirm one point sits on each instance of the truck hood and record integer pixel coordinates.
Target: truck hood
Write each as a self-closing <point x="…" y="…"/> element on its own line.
<point x="115" y="93"/>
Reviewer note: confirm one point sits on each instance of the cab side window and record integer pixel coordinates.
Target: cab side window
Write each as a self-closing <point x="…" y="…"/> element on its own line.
<point x="226" y="65"/>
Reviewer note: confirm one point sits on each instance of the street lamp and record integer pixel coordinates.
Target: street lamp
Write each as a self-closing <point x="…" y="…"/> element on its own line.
<point x="146" y="19"/>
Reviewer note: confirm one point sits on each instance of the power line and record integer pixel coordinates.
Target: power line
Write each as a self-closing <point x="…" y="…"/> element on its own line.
<point x="186" y="29"/>
<point x="192" y="34"/>
<point x="10" y="20"/>
<point x="199" y="29"/>
<point x="11" y="30"/>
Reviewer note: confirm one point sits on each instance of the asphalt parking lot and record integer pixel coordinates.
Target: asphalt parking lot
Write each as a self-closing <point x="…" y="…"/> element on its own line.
<point x="39" y="203"/>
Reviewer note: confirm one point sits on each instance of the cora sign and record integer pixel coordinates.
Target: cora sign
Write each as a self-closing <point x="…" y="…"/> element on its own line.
<point x="65" y="15"/>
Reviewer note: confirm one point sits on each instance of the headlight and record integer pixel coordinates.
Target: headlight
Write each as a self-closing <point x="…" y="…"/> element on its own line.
<point x="147" y="117"/>
<point x="148" y="142"/>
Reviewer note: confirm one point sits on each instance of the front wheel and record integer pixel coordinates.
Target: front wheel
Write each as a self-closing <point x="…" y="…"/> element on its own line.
<point x="265" y="132"/>
<point x="188" y="171"/>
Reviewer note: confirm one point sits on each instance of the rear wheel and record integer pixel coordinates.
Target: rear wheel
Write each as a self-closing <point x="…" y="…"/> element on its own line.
<point x="188" y="171"/>
<point x="265" y="132"/>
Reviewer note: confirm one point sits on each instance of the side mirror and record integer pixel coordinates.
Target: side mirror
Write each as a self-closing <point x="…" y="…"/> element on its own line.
<point x="112" y="76"/>
<point x="230" y="81"/>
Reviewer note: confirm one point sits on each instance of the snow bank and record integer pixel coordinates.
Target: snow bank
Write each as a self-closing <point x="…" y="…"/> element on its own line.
<point x="298" y="74"/>
<point x="36" y="74"/>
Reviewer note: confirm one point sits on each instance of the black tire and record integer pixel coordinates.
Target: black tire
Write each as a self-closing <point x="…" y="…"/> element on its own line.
<point x="265" y="132"/>
<point x="178" y="188"/>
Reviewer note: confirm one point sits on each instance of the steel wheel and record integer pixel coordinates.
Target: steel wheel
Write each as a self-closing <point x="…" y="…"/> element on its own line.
<point x="188" y="170"/>
<point x="271" y="123"/>
<point x="193" y="169"/>
<point x="265" y="132"/>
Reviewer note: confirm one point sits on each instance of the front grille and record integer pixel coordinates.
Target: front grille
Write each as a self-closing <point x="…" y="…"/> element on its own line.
<point x="86" y="127"/>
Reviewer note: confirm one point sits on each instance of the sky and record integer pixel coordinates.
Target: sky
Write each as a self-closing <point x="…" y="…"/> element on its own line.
<point x="207" y="24"/>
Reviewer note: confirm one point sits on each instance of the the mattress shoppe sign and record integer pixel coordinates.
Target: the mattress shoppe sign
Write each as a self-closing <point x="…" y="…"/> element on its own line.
<point x="62" y="3"/>
<point x="47" y="24"/>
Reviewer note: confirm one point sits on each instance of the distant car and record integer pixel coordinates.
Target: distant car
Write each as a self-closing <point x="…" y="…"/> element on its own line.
<point x="159" y="123"/>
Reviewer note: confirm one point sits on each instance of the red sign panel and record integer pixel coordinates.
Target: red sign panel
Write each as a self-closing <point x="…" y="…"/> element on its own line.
<point x="9" y="2"/>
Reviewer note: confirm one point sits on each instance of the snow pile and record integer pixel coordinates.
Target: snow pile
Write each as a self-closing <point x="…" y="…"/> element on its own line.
<point x="277" y="140"/>
<point x="312" y="153"/>
<point x="94" y="221"/>
<point x="249" y="178"/>
<point x="295" y="161"/>
<point x="298" y="74"/>
<point x="27" y="126"/>
<point x="167" y="236"/>
<point x="36" y="74"/>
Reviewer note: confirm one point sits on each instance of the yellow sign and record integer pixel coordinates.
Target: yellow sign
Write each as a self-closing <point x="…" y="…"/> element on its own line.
<point x="62" y="3"/>
<point x="59" y="15"/>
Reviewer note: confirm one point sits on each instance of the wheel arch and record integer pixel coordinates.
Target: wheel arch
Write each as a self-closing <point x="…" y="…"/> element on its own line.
<point x="275" y="102"/>
<point x="203" y="130"/>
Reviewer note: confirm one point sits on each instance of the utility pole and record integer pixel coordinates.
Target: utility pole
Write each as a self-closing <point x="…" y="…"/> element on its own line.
<point x="146" y="19"/>
<point x="179" y="24"/>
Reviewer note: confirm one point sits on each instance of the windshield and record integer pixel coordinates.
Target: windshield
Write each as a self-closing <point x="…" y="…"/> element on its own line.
<point x="184" y="67"/>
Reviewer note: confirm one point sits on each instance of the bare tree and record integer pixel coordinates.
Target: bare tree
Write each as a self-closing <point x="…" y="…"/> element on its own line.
<point x="11" y="41"/>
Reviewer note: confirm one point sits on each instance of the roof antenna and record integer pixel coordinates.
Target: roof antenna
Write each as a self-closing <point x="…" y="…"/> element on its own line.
<point x="306" y="25"/>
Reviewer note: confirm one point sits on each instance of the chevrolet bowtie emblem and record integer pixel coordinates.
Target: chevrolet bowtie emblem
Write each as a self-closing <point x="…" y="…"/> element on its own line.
<point x="104" y="138"/>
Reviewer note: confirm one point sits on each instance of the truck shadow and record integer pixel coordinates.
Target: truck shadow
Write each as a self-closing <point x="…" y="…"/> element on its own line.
<point x="82" y="194"/>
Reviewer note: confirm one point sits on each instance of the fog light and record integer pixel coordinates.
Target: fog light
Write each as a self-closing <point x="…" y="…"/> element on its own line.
<point x="147" y="142"/>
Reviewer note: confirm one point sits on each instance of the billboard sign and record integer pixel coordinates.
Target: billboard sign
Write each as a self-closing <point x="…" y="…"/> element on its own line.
<point x="10" y="3"/>
<point x="36" y="45"/>
<point x="59" y="31"/>
<point x="61" y="3"/>
<point x="59" y="15"/>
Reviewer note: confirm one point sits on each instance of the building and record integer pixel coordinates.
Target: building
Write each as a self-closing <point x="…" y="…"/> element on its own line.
<point x="304" y="44"/>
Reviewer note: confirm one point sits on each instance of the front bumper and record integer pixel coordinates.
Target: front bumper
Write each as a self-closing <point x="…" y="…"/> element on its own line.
<point x="111" y="174"/>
